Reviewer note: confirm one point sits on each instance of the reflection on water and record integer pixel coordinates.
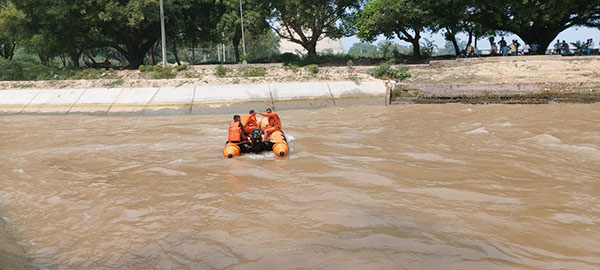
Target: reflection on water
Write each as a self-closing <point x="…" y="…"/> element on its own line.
<point x="366" y="187"/>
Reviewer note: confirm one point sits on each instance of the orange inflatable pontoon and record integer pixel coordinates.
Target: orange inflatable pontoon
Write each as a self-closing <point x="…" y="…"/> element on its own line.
<point x="276" y="142"/>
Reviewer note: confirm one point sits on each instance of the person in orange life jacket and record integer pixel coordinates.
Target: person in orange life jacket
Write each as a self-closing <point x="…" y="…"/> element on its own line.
<point x="249" y="121"/>
<point x="274" y="121"/>
<point x="236" y="131"/>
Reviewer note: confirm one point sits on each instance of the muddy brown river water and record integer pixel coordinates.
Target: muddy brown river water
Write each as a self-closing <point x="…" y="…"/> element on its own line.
<point x="365" y="187"/>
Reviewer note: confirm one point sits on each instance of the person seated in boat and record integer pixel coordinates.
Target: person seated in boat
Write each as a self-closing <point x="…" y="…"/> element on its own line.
<point x="237" y="134"/>
<point x="274" y="121"/>
<point x="249" y="121"/>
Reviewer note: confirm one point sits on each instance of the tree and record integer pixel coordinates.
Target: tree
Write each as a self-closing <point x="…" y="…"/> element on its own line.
<point x="306" y="22"/>
<point x="256" y="14"/>
<point x="363" y="49"/>
<point x="536" y="21"/>
<point x="394" y="17"/>
<point x="12" y="22"/>
<point x="194" y="22"/>
<point x="263" y="45"/>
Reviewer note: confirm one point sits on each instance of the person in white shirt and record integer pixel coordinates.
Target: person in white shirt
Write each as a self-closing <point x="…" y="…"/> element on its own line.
<point x="526" y="49"/>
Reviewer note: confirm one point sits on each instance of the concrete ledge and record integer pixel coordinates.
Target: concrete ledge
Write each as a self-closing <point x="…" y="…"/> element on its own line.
<point x="182" y="100"/>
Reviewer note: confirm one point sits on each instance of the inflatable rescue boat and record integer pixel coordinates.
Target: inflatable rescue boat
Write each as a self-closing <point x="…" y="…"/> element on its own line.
<point x="275" y="142"/>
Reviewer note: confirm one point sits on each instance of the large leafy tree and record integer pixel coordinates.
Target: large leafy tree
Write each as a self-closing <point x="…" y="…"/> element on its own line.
<point x="12" y="22"/>
<point x="306" y="22"/>
<point x="256" y="14"/>
<point x="537" y="21"/>
<point x="363" y="49"/>
<point x="192" y="22"/>
<point x="405" y="19"/>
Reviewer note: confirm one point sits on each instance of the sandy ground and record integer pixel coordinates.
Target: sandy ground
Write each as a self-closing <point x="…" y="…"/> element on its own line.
<point x="203" y="75"/>
<point x="508" y="69"/>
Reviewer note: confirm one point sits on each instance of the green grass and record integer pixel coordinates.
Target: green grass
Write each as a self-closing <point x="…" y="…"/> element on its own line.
<point x="114" y="83"/>
<point x="385" y="71"/>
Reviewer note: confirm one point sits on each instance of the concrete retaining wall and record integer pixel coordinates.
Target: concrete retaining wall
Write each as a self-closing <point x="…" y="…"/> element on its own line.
<point x="180" y="100"/>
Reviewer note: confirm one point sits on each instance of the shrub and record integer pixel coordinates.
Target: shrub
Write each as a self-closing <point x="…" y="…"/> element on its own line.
<point x="20" y="71"/>
<point x="182" y="67"/>
<point x="292" y="67"/>
<point x="221" y="71"/>
<point x="288" y="58"/>
<point x="114" y="83"/>
<point x="162" y="73"/>
<point x="255" y="72"/>
<point x="385" y="71"/>
<point x="314" y="69"/>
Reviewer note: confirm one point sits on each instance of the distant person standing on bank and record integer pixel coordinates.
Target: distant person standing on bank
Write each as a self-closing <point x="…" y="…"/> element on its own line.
<point x="565" y="48"/>
<point x="106" y="64"/>
<point x="590" y="47"/>
<point x="526" y="49"/>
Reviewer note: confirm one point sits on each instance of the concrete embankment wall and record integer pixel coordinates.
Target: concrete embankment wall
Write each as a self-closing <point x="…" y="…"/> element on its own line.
<point x="185" y="100"/>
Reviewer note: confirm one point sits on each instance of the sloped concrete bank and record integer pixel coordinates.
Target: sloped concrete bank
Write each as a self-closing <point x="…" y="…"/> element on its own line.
<point x="504" y="93"/>
<point x="187" y="100"/>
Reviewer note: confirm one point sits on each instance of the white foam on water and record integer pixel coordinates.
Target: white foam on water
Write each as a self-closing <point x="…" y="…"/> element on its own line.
<point x="549" y="141"/>
<point x="572" y="218"/>
<point x="431" y="157"/>
<point x="167" y="172"/>
<point x="261" y="156"/>
<point x="480" y="130"/>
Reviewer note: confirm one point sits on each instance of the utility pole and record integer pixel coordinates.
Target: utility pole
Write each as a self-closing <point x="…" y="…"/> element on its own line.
<point x="162" y="34"/>
<point x="243" y="39"/>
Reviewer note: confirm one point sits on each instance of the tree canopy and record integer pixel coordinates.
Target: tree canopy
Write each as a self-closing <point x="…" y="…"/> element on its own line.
<point x="306" y="22"/>
<point x="405" y="19"/>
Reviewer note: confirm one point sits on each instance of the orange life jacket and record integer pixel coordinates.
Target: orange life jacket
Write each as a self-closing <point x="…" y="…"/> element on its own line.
<point x="235" y="132"/>
<point x="249" y="122"/>
<point x="274" y="120"/>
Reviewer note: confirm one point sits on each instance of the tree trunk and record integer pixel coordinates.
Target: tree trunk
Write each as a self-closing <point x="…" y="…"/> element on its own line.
<point x="135" y="52"/>
<point x="152" y="57"/>
<point x="237" y="37"/>
<point x="236" y="49"/>
<point x="63" y="59"/>
<point x="416" y="44"/>
<point x="543" y="39"/>
<point x="450" y="36"/>
<point x="193" y="54"/>
<point x="311" y="47"/>
<point x="175" y="53"/>
<point x="416" y="49"/>
<point x="470" y="40"/>
<point x="75" y="54"/>
<point x="135" y="60"/>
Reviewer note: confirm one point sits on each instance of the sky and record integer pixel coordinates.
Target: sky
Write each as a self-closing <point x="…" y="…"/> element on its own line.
<point x="570" y="35"/>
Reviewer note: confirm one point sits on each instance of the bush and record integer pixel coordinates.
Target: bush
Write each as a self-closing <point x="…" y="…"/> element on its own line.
<point x="21" y="71"/>
<point x="314" y="69"/>
<point x="86" y="74"/>
<point x="182" y="67"/>
<point x="255" y="72"/>
<point x="221" y="71"/>
<point x="385" y="71"/>
<point x="292" y="67"/>
<point x="288" y="58"/>
<point x="162" y="73"/>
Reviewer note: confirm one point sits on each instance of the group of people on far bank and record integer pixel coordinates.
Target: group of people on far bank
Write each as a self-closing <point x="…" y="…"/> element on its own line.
<point x="504" y="48"/>
<point x="241" y="127"/>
